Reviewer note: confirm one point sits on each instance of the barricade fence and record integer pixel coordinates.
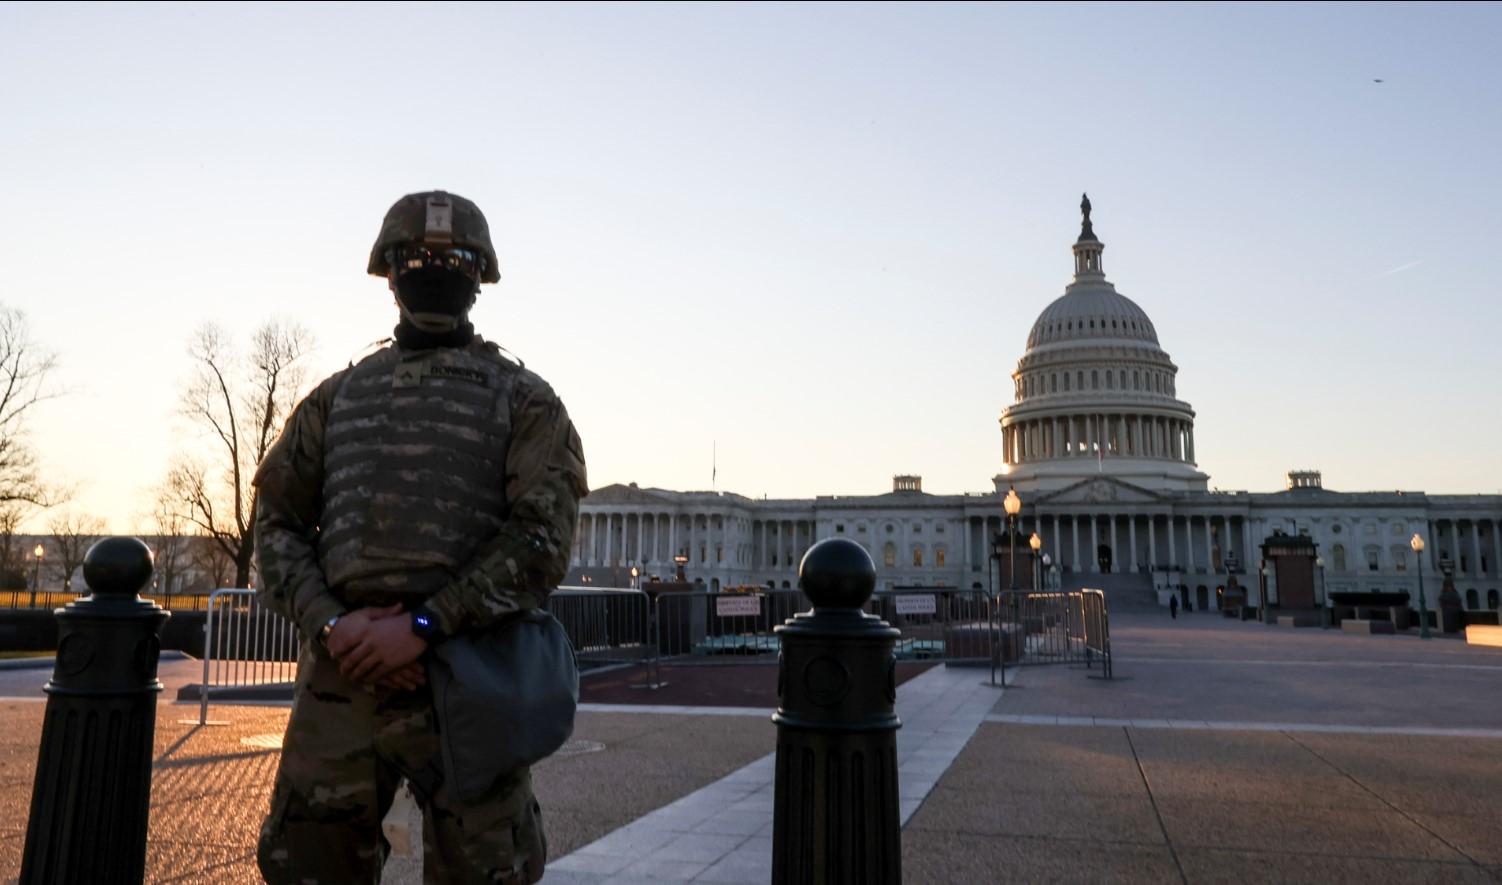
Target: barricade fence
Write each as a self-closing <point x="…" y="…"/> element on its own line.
<point x="605" y="626"/>
<point x="939" y="623"/>
<point x="245" y="644"/>
<point x="1054" y="628"/>
<point x="1096" y="618"/>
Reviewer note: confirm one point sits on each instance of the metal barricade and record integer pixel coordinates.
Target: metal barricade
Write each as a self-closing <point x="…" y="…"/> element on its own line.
<point x="1096" y="620"/>
<point x="244" y="644"/>
<point x="724" y="628"/>
<point x="1054" y="628"/>
<point x="606" y="626"/>
<point x="946" y="624"/>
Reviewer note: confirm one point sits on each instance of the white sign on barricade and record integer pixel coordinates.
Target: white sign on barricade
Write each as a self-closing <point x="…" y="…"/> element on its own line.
<point x="737" y="606"/>
<point x="916" y="604"/>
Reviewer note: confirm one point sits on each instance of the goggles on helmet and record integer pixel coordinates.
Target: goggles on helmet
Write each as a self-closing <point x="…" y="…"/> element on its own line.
<point x="415" y="256"/>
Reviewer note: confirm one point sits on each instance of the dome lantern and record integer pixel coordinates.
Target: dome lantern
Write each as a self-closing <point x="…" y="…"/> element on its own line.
<point x="1087" y="248"/>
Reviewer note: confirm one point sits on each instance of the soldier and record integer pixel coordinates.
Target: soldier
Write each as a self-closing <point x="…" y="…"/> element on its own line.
<point x="429" y="489"/>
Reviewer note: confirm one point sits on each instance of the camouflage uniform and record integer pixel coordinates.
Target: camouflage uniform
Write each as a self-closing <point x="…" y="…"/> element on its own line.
<point x="449" y="476"/>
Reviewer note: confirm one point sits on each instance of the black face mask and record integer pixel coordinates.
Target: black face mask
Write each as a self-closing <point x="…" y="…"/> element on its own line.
<point x="435" y="299"/>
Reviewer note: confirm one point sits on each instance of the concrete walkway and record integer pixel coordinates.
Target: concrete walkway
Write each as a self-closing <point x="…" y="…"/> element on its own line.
<point x="723" y="832"/>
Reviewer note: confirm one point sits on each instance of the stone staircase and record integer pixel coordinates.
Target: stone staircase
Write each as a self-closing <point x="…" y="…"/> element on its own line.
<point x="1124" y="592"/>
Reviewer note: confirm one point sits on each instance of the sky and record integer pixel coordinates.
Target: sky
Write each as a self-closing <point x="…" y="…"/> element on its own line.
<point x="783" y="250"/>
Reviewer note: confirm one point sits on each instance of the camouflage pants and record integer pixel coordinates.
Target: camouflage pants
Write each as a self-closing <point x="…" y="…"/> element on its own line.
<point x="345" y="752"/>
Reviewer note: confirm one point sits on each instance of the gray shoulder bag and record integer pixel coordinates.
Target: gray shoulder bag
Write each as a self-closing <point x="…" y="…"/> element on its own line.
<point x="504" y="699"/>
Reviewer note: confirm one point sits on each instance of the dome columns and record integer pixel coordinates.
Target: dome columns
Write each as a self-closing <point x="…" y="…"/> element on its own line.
<point x="1119" y="434"/>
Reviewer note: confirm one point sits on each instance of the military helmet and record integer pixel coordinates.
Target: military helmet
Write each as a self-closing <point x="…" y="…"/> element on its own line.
<point x="434" y="217"/>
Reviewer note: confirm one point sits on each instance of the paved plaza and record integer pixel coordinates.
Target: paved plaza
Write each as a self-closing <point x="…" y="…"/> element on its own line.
<point x="1223" y="751"/>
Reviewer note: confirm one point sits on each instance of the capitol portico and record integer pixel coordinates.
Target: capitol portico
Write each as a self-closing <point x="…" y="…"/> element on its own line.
<point x="1102" y="453"/>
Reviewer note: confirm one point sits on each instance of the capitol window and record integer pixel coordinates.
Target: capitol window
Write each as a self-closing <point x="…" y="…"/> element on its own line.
<point x="1338" y="553"/>
<point x="1094" y="380"/>
<point x="1400" y="558"/>
<point x="918" y="556"/>
<point x="1373" y="558"/>
<point x="889" y="554"/>
<point x="839" y="528"/>
<point x="889" y="528"/>
<point x="939" y="558"/>
<point x="1066" y="382"/>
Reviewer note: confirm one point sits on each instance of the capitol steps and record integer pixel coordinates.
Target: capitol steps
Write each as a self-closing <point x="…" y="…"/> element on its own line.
<point x="1125" y="592"/>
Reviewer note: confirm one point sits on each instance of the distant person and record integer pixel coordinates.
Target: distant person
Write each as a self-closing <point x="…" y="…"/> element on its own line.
<point x="428" y="491"/>
<point x="1173" y="607"/>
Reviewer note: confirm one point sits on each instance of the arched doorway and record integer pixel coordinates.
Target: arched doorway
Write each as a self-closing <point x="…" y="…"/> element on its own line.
<point x="1103" y="556"/>
<point x="1202" y="598"/>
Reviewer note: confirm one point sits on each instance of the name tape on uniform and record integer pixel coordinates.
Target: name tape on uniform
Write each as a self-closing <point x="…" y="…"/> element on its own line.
<point x="737" y="606"/>
<point x="916" y="604"/>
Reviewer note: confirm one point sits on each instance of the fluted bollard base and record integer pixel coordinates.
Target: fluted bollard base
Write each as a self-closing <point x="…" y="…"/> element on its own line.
<point x="839" y="801"/>
<point x="90" y="799"/>
<point x="836" y="817"/>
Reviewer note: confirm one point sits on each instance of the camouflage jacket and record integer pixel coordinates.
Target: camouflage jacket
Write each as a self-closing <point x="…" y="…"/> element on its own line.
<point x="513" y="570"/>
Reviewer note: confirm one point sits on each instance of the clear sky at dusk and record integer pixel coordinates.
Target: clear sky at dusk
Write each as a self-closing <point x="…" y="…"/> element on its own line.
<point x="813" y="238"/>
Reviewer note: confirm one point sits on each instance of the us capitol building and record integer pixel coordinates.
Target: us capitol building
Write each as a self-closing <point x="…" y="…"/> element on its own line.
<point x="1101" y="452"/>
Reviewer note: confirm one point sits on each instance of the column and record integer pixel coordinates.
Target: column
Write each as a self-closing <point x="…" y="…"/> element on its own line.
<point x="1209" y="547"/>
<point x="964" y="551"/>
<point x="1476" y="562"/>
<point x="1246" y="544"/>
<point x="1074" y="549"/>
<point x="1132" y="539"/>
<point x="1095" y="547"/>
<point x="1058" y="543"/>
<point x="1152" y="540"/>
<point x="1173" y="556"/>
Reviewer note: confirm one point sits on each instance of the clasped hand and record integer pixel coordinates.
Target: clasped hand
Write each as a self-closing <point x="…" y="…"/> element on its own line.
<point x="376" y="646"/>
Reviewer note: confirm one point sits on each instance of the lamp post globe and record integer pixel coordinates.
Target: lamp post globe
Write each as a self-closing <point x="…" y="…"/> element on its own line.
<point x="1013" y="506"/>
<point x="1036" y="543"/>
<point x="1417" y="543"/>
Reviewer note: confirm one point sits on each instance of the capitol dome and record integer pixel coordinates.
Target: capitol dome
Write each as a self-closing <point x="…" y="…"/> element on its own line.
<point x="1095" y="392"/>
<point x="1094" y="312"/>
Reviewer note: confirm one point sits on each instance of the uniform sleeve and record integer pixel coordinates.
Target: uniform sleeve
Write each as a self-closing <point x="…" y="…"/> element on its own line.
<point x="528" y="557"/>
<point x="289" y="500"/>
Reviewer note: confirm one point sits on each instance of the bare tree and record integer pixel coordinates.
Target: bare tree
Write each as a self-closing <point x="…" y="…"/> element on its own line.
<point x="169" y="551"/>
<point x="239" y="402"/>
<point x="72" y="535"/>
<point x="24" y="367"/>
<point x="211" y="566"/>
<point x="12" y="557"/>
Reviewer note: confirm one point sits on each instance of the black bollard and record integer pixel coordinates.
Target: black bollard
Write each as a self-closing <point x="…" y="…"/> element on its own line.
<point x="835" y="817"/>
<point x="93" y="783"/>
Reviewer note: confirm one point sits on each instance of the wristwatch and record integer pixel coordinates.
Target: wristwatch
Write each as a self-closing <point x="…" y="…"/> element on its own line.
<point x="326" y="630"/>
<point x="425" y="624"/>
